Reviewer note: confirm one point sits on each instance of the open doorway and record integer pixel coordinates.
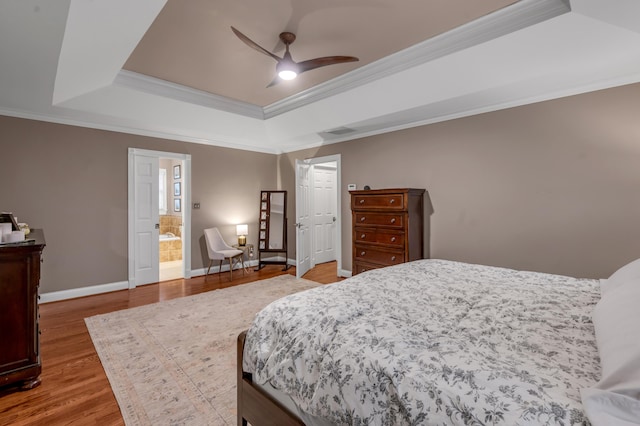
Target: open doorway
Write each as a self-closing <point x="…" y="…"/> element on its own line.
<point x="145" y="204"/>
<point x="170" y="244"/>
<point x="318" y="221"/>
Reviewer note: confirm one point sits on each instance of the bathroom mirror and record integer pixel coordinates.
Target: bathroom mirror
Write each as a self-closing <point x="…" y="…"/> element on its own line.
<point x="272" y="237"/>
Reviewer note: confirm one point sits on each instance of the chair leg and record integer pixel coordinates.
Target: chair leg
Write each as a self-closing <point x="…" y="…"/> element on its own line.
<point x="231" y="268"/>
<point x="220" y="269"/>
<point x="208" y="269"/>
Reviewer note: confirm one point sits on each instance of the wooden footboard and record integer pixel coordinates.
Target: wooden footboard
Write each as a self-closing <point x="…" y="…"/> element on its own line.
<point x="256" y="406"/>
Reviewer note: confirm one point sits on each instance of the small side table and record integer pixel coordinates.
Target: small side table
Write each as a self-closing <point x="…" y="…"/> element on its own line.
<point x="247" y="253"/>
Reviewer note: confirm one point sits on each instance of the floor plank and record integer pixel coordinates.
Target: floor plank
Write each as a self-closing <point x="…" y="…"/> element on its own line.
<point x="75" y="389"/>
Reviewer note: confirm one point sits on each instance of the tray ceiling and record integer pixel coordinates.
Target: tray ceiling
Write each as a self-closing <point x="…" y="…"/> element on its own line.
<point x="191" y="43"/>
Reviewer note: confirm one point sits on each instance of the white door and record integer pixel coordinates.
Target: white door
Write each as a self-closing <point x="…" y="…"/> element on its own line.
<point x="303" y="218"/>
<point x="146" y="216"/>
<point x="143" y="214"/>
<point x="324" y="212"/>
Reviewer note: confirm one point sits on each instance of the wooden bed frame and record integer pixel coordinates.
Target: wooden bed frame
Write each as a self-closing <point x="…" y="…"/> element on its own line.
<point x="255" y="405"/>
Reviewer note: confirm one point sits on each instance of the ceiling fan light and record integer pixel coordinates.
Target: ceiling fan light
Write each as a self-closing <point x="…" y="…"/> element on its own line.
<point x="287" y="69"/>
<point x="287" y="74"/>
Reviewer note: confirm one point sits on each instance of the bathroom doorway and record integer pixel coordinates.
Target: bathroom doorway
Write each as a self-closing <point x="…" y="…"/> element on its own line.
<point x="146" y="210"/>
<point x="171" y="218"/>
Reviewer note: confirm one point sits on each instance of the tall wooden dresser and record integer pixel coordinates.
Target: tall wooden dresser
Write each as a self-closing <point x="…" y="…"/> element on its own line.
<point x="388" y="227"/>
<point x="19" y="334"/>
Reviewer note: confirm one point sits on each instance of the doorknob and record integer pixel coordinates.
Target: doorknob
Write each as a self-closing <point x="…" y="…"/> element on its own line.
<point x="334" y="219"/>
<point x="157" y="226"/>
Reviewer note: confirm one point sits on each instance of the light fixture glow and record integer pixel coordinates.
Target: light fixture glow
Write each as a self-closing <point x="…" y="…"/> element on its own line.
<point x="287" y="69"/>
<point x="287" y="74"/>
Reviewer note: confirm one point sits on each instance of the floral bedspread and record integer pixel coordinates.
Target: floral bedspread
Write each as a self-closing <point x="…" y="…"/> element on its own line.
<point x="432" y="342"/>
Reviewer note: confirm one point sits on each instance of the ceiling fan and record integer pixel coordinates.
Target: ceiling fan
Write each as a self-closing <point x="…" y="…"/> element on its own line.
<point x="286" y="67"/>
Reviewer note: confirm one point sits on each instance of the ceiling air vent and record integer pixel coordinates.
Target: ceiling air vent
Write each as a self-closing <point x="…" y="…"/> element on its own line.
<point x="339" y="131"/>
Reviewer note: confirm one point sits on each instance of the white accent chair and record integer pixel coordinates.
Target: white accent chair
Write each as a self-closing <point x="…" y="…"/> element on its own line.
<point x="218" y="249"/>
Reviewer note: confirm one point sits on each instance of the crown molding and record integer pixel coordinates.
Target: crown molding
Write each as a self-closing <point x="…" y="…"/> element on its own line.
<point x="178" y="92"/>
<point x="504" y="21"/>
<point x="100" y="124"/>
<point x="399" y="122"/>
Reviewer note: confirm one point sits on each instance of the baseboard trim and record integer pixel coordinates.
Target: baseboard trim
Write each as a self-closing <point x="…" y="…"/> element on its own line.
<point x="344" y="273"/>
<point x="225" y="268"/>
<point x="56" y="296"/>
<point x="73" y="293"/>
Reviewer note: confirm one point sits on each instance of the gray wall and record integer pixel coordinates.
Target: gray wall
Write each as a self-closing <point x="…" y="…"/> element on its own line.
<point x="72" y="182"/>
<point x="551" y="187"/>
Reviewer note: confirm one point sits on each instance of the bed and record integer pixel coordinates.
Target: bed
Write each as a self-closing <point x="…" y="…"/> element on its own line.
<point x="437" y="342"/>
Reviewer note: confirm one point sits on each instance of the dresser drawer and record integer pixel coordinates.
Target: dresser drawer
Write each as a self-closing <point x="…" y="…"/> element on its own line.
<point x="378" y="202"/>
<point x="387" y="237"/>
<point x="359" y="267"/>
<point x="386" y="257"/>
<point x="389" y="220"/>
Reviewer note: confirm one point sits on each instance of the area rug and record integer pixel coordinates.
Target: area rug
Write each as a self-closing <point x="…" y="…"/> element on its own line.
<point x="174" y="362"/>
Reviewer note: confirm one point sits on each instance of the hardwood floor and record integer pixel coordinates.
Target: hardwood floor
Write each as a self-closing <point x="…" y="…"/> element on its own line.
<point x="75" y="389"/>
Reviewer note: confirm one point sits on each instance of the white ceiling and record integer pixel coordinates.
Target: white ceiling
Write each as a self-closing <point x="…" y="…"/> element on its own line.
<point x="62" y="61"/>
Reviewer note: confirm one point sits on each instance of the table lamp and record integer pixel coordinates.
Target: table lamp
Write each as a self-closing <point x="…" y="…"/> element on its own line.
<point x="241" y="232"/>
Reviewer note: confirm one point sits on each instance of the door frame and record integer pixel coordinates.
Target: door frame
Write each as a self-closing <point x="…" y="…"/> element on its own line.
<point x="314" y="242"/>
<point x="337" y="158"/>
<point x="186" y="208"/>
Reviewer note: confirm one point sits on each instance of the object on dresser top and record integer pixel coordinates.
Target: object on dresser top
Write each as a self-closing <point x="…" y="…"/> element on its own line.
<point x="10" y="230"/>
<point x="24" y="227"/>
<point x="13" y="237"/>
<point x="8" y="217"/>
<point x="388" y="227"/>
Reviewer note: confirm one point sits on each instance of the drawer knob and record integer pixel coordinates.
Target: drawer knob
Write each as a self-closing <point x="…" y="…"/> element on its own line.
<point x="393" y="220"/>
<point x="362" y="201"/>
<point x="391" y="201"/>
<point x="362" y="236"/>
<point x="362" y="219"/>
<point x="362" y="253"/>
<point x="393" y="239"/>
<point x="393" y="258"/>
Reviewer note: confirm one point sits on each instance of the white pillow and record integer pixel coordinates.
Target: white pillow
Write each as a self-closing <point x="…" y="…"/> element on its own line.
<point x="615" y="399"/>
<point x="630" y="271"/>
<point x="605" y="408"/>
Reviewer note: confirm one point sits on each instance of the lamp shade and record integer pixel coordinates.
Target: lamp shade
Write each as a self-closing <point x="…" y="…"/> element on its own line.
<point x="242" y="229"/>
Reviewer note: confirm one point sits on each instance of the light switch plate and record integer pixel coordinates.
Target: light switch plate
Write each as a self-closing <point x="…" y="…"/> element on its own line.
<point x="351" y="187"/>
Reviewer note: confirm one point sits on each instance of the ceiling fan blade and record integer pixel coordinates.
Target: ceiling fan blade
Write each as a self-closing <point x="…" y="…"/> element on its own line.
<point x="275" y="81"/>
<point x="312" y="64"/>
<point x="254" y="45"/>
